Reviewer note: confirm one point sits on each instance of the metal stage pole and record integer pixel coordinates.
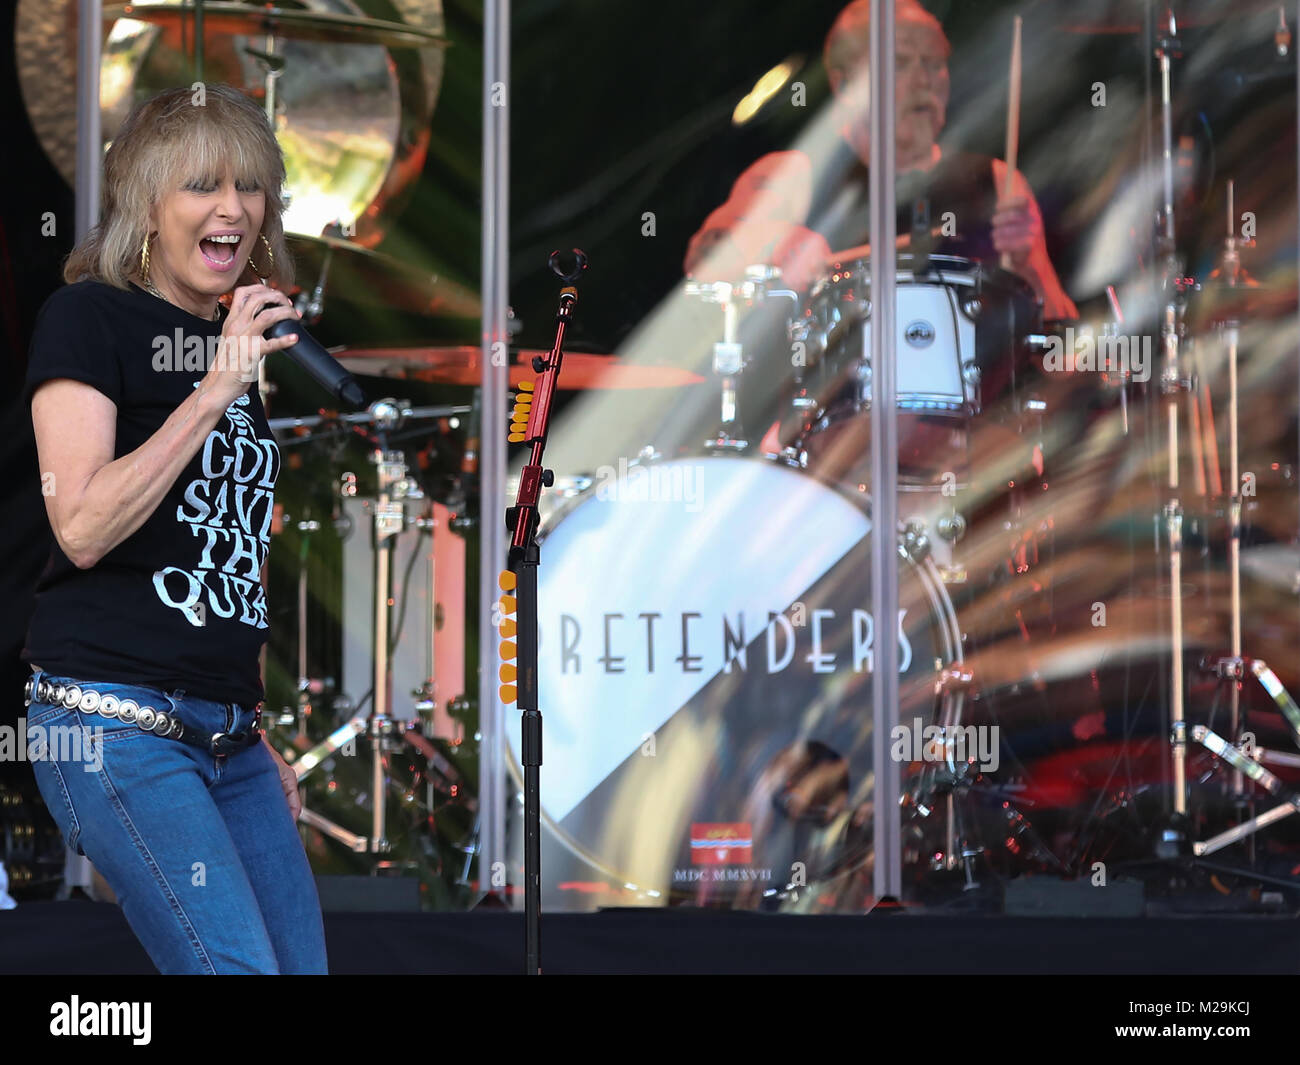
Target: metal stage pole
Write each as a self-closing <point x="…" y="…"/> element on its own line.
<point x="1296" y="22"/>
<point x="888" y="875"/>
<point x="90" y="38"/>
<point x="492" y="470"/>
<point x="77" y="870"/>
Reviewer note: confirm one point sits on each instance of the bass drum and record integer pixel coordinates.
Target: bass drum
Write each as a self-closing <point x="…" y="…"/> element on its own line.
<point x="706" y="649"/>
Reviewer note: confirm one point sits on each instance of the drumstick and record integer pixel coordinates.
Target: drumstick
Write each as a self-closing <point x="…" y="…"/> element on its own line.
<point x="863" y="251"/>
<point x="1013" y="121"/>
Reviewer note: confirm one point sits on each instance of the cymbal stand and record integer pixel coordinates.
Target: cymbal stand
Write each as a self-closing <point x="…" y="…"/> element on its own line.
<point x="728" y="365"/>
<point x="272" y="68"/>
<point x="761" y="283"/>
<point x="1172" y="384"/>
<point x="1234" y="669"/>
<point x="1231" y="338"/>
<point x="394" y="487"/>
<point x="307" y="686"/>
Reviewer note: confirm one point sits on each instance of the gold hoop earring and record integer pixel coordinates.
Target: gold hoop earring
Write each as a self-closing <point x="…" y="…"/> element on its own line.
<point x="270" y="261"/>
<point x="144" y="261"/>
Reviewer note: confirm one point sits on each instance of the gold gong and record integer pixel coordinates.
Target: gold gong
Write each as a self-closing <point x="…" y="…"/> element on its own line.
<point x="353" y="119"/>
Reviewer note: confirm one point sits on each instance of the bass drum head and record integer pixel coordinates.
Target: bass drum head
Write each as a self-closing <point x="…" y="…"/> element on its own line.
<point x="705" y="683"/>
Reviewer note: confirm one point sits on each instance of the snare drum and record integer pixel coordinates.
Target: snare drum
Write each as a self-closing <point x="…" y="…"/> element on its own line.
<point x="960" y="344"/>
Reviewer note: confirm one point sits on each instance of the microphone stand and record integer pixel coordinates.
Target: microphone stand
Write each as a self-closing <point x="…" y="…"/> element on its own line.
<point x="530" y="424"/>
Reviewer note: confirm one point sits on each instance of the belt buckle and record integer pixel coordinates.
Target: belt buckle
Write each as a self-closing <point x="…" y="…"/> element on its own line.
<point x="226" y="743"/>
<point x="237" y="741"/>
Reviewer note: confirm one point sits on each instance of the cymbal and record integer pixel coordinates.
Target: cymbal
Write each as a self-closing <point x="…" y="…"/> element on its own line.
<point x="374" y="279"/>
<point x="463" y="366"/>
<point x="246" y="21"/>
<point x="354" y="123"/>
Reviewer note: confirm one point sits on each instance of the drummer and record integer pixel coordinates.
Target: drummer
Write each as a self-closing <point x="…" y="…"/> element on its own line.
<point x="785" y="211"/>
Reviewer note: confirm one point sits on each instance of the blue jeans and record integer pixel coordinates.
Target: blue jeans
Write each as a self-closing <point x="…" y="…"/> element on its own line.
<point x="201" y="850"/>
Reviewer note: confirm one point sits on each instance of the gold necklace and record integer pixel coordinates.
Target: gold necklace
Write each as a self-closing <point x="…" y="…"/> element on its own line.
<point x="153" y="290"/>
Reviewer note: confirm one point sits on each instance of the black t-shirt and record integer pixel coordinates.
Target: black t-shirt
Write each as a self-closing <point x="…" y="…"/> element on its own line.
<point x="179" y="603"/>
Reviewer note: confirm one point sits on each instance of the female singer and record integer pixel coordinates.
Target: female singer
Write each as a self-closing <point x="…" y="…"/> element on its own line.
<point x="159" y="470"/>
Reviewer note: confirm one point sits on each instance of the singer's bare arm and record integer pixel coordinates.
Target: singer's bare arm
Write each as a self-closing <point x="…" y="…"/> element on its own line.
<point x="94" y="501"/>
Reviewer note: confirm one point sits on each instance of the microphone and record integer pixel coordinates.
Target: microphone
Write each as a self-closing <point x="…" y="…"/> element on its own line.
<point x="922" y="243"/>
<point x="319" y="363"/>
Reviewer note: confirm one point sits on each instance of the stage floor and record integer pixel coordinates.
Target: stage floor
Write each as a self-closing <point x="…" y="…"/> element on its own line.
<point x="78" y="937"/>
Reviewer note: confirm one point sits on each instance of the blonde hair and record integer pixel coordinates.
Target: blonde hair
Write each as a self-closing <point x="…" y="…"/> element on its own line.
<point x="849" y="38"/>
<point x="178" y="136"/>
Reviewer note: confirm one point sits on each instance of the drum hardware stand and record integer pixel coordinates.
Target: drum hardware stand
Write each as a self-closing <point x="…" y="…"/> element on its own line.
<point x="728" y="364"/>
<point x="1249" y="763"/>
<point x="313" y="307"/>
<point x="955" y="681"/>
<point x="530" y="426"/>
<point x="394" y="488"/>
<point x="1233" y="668"/>
<point x="1173" y="833"/>
<point x="426" y="695"/>
<point x="272" y="67"/>
<point x="728" y="353"/>
<point x="307" y="686"/>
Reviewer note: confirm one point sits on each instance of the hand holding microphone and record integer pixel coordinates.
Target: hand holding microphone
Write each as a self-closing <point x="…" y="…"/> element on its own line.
<point x="263" y="320"/>
<point x="254" y="311"/>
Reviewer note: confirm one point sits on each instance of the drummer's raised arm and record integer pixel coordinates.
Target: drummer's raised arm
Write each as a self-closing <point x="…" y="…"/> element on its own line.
<point x="1017" y="226"/>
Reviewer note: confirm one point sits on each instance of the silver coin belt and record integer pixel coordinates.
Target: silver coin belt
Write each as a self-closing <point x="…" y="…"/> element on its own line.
<point x="146" y="718"/>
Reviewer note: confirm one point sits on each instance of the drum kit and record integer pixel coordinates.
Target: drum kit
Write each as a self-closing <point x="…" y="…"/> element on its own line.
<point x="707" y="636"/>
<point x="705" y="626"/>
<point x="721" y="659"/>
